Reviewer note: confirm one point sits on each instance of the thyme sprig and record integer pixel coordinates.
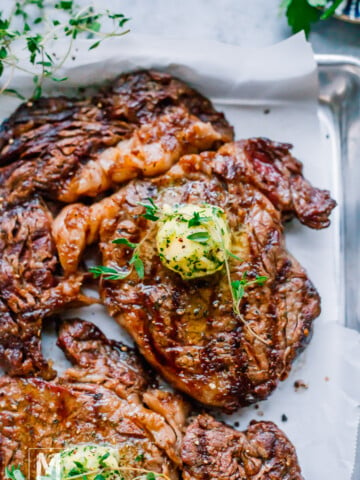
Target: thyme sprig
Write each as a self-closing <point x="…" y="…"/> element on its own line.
<point x="238" y="291"/>
<point x="108" y="273"/>
<point x="199" y="237"/>
<point x="151" y="210"/>
<point x="135" y="261"/>
<point x="117" y="273"/>
<point x="52" y="25"/>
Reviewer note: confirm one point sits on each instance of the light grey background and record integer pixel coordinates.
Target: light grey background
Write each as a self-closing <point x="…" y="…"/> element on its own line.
<point x="241" y="22"/>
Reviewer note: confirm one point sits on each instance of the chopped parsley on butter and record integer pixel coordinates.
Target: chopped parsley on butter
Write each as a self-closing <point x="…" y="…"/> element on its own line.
<point x="192" y="240"/>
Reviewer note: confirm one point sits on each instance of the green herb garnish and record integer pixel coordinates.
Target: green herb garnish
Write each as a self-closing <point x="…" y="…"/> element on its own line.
<point x="40" y="26"/>
<point x="301" y="14"/>
<point x="108" y="273"/>
<point x="197" y="220"/>
<point x="117" y="274"/>
<point x="103" y="458"/>
<point x="232" y="255"/>
<point x="14" y="473"/>
<point x="125" y="241"/>
<point x="151" y="210"/>
<point x="200" y="237"/>
<point x="238" y="289"/>
<point x="138" y="264"/>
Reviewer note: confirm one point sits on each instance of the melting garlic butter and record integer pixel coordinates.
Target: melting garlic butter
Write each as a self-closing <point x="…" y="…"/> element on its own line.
<point x="192" y="239"/>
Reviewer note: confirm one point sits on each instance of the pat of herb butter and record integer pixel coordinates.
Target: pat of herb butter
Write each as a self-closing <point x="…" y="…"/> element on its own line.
<point x="192" y="239"/>
<point x="85" y="461"/>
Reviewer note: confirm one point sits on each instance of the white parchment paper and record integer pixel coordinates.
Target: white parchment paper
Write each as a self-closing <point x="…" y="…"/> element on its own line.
<point x="263" y="92"/>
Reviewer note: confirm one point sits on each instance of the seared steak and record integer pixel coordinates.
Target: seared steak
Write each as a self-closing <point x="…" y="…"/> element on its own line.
<point x="100" y="400"/>
<point x="46" y="142"/>
<point x="214" y="451"/>
<point x="186" y="328"/>
<point x="38" y="414"/>
<point x="30" y="287"/>
<point x="107" y="398"/>
<point x="144" y="95"/>
<point x="152" y="149"/>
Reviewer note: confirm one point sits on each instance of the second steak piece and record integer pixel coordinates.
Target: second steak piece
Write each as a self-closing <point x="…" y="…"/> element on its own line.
<point x="109" y="396"/>
<point x="213" y="451"/>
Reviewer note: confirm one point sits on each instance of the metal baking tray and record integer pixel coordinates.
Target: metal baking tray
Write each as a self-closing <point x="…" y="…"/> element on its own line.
<point x="339" y="111"/>
<point x="339" y="101"/>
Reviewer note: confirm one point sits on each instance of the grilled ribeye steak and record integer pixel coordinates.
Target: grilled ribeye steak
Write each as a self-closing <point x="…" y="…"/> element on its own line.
<point x="63" y="148"/>
<point x="44" y="144"/>
<point x="39" y="414"/>
<point x="106" y="397"/>
<point x="142" y="96"/>
<point x="30" y="286"/>
<point x="48" y="141"/>
<point x="186" y="328"/>
<point x="214" y="451"/>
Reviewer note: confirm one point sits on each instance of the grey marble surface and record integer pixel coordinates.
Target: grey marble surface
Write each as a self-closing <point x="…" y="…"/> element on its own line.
<point x="242" y="22"/>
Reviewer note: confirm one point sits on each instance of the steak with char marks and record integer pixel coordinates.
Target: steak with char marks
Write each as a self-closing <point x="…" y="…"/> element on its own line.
<point x="46" y="142"/>
<point x="31" y="287"/>
<point x="186" y="328"/>
<point x="108" y="397"/>
<point x="213" y="451"/>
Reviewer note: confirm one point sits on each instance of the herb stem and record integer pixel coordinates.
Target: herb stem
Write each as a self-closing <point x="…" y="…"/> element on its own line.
<point x="236" y="303"/>
<point x="8" y="81"/>
<point x="84" y="21"/>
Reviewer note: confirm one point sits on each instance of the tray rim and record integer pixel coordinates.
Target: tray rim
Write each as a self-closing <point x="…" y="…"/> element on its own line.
<point x="336" y="60"/>
<point x="341" y="61"/>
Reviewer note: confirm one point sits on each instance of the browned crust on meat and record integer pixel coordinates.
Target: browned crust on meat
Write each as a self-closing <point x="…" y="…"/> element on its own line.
<point x="98" y="359"/>
<point x="141" y="96"/>
<point x="271" y="168"/>
<point x="45" y="142"/>
<point x="39" y="414"/>
<point x="119" y="368"/>
<point x="214" y="451"/>
<point x="30" y="288"/>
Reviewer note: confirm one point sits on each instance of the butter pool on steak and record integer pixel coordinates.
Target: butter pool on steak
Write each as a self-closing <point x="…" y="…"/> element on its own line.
<point x="187" y="329"/>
